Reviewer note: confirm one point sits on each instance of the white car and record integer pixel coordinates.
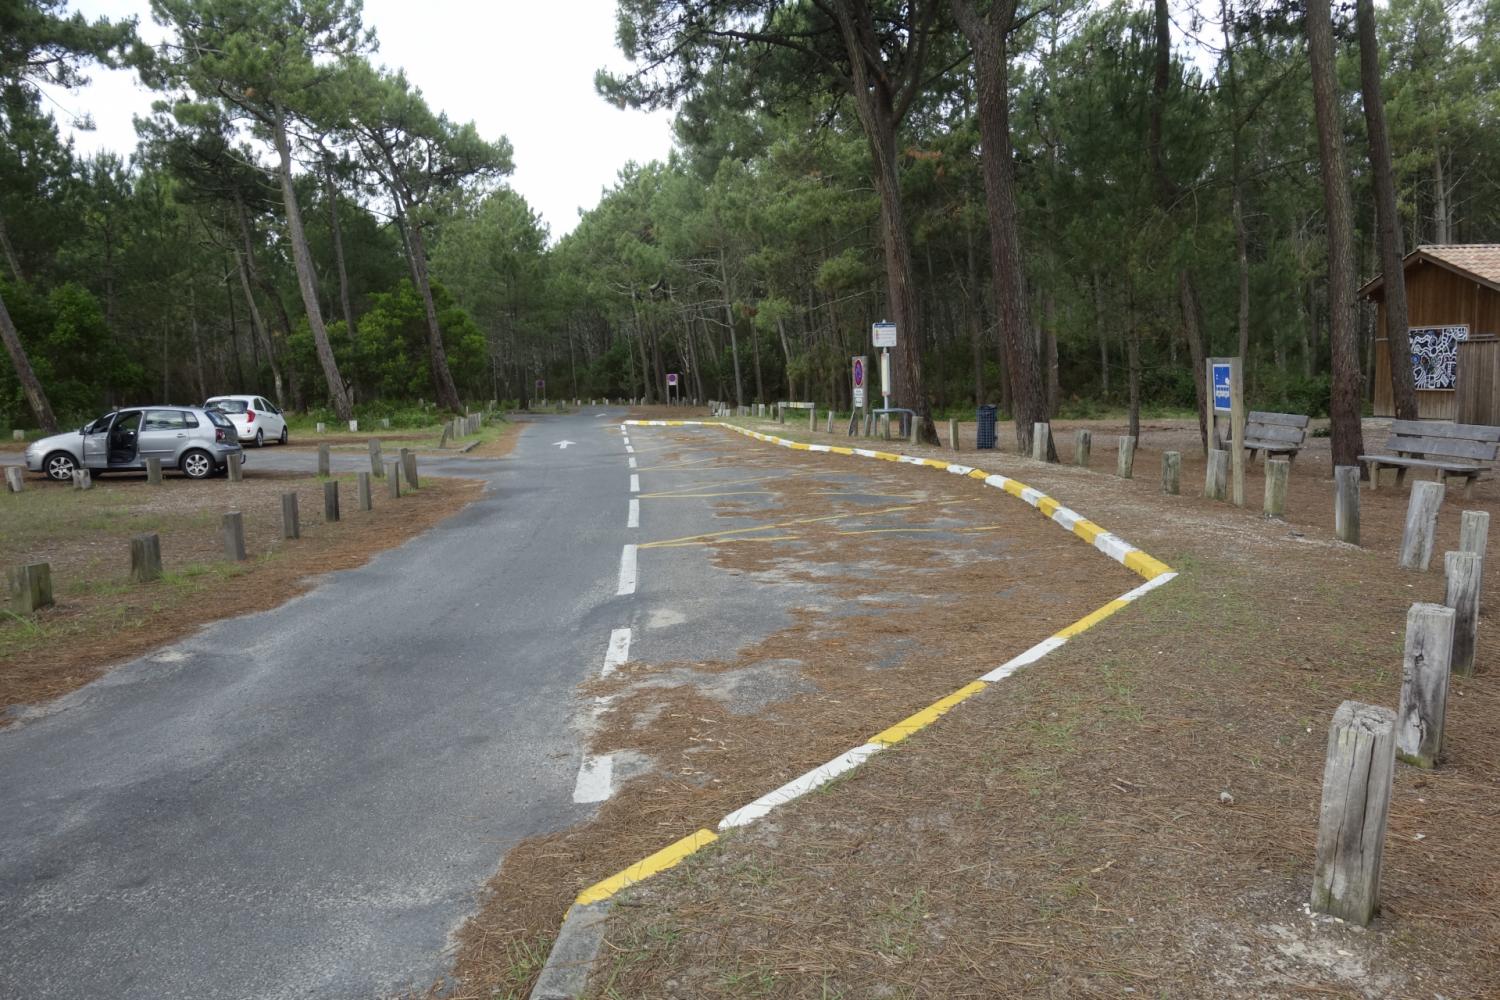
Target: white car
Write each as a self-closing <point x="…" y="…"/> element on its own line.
<point x="255" y="418"/>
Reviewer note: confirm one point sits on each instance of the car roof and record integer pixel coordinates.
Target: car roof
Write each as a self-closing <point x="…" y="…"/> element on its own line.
<point x="244" y="397"/>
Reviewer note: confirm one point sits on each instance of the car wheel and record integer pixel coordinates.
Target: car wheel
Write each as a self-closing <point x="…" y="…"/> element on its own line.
<point x="260" y="439"/>
<point x="60" y="467"/>
<point x="197" y="465"/>
<point x="283" y="434"/>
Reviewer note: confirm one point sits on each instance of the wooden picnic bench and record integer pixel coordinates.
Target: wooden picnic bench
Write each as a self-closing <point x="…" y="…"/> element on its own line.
<point x="1450" y="451"/>
<point x="1275" y="434"/>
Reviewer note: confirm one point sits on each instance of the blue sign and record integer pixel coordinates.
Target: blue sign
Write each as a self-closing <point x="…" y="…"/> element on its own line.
<point x="1221" y="387"/>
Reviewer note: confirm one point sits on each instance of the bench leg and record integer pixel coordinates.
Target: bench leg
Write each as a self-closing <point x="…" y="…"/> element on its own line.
<point x="1400" y="476"/>
<point x="1374" y="468"/>
<point x="1469" y="482"/>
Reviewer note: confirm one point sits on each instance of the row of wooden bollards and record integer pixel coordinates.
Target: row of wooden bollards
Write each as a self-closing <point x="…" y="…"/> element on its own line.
<point x="30" y="585"/>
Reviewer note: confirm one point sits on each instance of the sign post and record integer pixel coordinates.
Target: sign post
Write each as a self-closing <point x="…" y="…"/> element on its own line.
<point x="860" y="364"/>
<point x="672" y="384"/>
<point x="883" y="336"/>
<point x="1227" y="398"/>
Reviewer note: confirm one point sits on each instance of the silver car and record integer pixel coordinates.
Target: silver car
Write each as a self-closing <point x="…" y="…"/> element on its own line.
<point x="190" y="438"/>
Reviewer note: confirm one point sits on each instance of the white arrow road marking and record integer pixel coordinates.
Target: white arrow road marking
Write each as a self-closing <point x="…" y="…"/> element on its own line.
<point x="563" y="445"/>
<point x="634" y="520"/>
<point x="627" y="572"/>
<point x="618" y="652"/>
<point x="595" y="779"/>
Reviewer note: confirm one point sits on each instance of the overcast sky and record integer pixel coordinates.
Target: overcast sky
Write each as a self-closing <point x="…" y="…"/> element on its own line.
<point x="518" y="68"/>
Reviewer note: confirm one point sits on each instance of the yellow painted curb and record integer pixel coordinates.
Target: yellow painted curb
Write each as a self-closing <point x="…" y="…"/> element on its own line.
<point x="663" y="859"/>
<point x="927" y="716"/>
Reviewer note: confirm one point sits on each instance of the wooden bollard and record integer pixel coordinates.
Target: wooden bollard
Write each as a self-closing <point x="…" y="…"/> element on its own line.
<point x="325" y="460"/>
<point x="1346" y="503"/>
<point x="145" y="557"/>
<point x="1216" y="475"/>
<point x="153" y="471"/>
<point x="1041" y="441"/>
<point x="362" y="491"/>
<point x="1357" y="774"/>
<point x="377" y="466"/>
<point x="1421" y="525"/>
<point x="291" y="521"/>
<point x="354" y="427"/>
<point x="953" y="434"/>
<point x="18" y="435"/>
<point x="1083" y="443"/>
<point x="447" y="433"/>
<point x="322" y="428"/>
<point x="15" y="478"/>
<point x="812" y="419"/>
<point x="915" y="424"/>
<point x="234" y="536"/>
<point x="385" y="422"/>
<point x="1125" y="464"/>
<point x="829" y="429"/>
<point x="1424" y="684"/>
<point x="1474" y="536"/>
<point x="83" y="479"/>
<point x="1171" y="472"/>
<point x="331" y="500"/>
<point x="393" y="480"/>
<point x="1278" y="471"/>
<point x="234" y="466"/>
<point x="409" y="466"/>
<point x="1461" y="572"/>
<point x="30" y="587"/>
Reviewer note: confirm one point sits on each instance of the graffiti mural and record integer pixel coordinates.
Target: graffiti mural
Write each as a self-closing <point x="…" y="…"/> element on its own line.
<point x="1434" y="355"/>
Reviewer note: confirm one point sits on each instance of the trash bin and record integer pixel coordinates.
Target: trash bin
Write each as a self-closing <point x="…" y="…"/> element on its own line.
<point x="986" y="433"/>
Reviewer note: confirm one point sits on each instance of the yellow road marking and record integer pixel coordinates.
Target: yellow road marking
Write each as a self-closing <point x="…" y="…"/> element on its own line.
<point x="927" y="716"/>
<point x="663" y="859"/>
<point x="1091" y="619"/>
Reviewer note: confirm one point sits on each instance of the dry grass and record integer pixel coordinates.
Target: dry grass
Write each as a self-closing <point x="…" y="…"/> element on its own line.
<point x="101" y="618"/>
<point x="1065" y="833"/>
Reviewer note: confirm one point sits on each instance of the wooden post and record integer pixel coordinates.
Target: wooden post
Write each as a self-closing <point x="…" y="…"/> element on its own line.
<point x="1357" y="775"/>
<point x="1216" y="475"/>
<point x="362" y="490"/>
<point x="145" y="558"/>
<point x="953" y="433"/>
<point x="18" y="435"/>
<point x="830" y="422"/>
<point x="1083" y="442"/>
<point x="1278" y="470"/>
<point x="1346" y="503"/>
<point x="331" y="500"/>
<point x="1237" y="424"/>
<point x="1421" y="525"/>
<point x="234" y="536"/>
<point x="354" y="427"/>
<point x="885" y="419"/>
<point x="232" y="463"/>
<point x="385" y="422"/>
<point x="812" y="418"/>
<point x="1461" y="571"/>
<point x="15" y="478"/>
<point x="30" y="587"/>
<point x="322" y="428"/>
<point x="447" y="432"/>
<point x="1041" y="437"/>
<point x="325" y="461"/>
<point x="409" y="465"/>
<point x="153" y="471"/>
<point x="1424" y="684"/>
<point x="1125" y="465"/>
<point x="1474" y="536"/>
<point x="913" y="434"/>
<point x="83" y="479"/>
<point x="393" y="480"/>
<point x="1171" y="472"/>
<point x="377" y="466"/>
<point x="291" y="521"/>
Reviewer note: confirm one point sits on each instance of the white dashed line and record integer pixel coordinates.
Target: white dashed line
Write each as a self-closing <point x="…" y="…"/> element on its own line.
<point x="595" y="779"/>
<point x="629" y="450"/>
<point x="635" y="484"/>
<point x="627" y="572"/>
<point x="618" y="652"/>
<point x="634" y="519"/>
<point x="632" y="461"/>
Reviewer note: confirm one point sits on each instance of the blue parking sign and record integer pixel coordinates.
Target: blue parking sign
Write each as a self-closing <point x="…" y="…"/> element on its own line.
<point x="1221" y="387"/>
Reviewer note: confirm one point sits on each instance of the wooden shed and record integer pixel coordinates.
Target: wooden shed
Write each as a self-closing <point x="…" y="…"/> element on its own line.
<point x="1453" y="305"/>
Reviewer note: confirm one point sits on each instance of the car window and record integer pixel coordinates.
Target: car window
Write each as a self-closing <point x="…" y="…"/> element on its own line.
<point x="188" y="419"/>
<point x="230" y="405"/>
<point x="217" y="419"/>
<point x="165" y="420"/>
<point x="128" y="421"/>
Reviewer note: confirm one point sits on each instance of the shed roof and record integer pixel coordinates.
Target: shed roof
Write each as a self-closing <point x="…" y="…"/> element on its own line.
<point x="1479" y="262"/>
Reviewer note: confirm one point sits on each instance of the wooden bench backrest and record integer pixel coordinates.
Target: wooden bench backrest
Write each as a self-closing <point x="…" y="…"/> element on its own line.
<point x="1277" y="430"/>
<point x="1438" y="438"/>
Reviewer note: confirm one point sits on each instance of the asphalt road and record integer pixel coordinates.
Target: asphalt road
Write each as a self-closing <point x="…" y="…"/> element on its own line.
<point x="306" y="802"/>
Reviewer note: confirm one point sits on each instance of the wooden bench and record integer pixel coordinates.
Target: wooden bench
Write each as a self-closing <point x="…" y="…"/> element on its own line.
<point x="1450" y="451"/>
<point x="1275" y="434"/>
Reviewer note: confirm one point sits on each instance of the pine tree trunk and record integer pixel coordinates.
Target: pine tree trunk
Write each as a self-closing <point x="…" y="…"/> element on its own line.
<point x="1192" y="330"/>
<point x="416" y="253"/>
<point x="246" y="259"/>
<point x="337" y="230"/>
<point x="1345" y="401"/>
<point x="1392" y="250"/>
<point x="302" y="258"/>
<point x="1441" y="230"/>
<point x="987" y="36"/>
<point x="25" y="374"/>
<point x="11" y="260"/>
